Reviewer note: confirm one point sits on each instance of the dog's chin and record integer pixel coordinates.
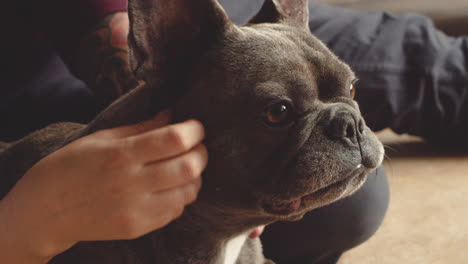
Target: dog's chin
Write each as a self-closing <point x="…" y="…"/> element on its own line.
<point x="295" y="208"/>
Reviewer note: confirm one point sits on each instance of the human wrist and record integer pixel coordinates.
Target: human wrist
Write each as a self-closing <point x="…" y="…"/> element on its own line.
<point x="12" y="250"/>
<point x="21" y="242"/>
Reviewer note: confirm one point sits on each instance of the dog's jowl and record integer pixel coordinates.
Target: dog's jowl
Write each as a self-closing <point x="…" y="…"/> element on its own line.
<point x="283" y="131"/>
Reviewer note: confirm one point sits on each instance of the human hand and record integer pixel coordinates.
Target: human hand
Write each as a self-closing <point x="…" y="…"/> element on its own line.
<point x="114" y="184"/>
<point x="257" y="232"/>
<point x="102" y="59"/>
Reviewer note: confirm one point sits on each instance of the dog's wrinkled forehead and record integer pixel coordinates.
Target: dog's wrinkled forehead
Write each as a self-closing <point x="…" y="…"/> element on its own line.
<point x="286" y="56"/>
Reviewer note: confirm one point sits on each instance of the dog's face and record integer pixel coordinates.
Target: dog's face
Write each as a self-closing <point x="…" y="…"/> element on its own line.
<point x="283" y="131"/>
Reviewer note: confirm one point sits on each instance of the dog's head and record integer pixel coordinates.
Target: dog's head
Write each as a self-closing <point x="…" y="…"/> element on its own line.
<point x="283" y="131"/>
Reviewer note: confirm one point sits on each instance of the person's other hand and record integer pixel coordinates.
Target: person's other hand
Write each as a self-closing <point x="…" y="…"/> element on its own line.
<point x="114" y="184"/>
<point x="257" y="232"/>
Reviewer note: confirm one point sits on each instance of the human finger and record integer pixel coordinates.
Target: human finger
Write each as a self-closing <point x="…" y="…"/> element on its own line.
<point x="158" y="210"/>
<point x="163" y="118"/>
<point x="175" y="172"/>
<point x="166" y="142"/>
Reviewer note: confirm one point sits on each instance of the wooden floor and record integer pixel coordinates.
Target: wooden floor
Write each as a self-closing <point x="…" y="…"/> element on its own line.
<point x="427" y="222"/>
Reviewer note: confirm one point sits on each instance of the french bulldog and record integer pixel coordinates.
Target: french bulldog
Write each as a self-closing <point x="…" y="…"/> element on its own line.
<point x="283" y="131"/>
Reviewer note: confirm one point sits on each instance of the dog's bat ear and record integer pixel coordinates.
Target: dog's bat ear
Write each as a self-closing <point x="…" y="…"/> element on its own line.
<point x="293" y="12"/>
<point x="167" y="36"/>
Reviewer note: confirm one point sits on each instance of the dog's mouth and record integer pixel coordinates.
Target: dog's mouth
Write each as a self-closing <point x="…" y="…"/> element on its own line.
<point x="325" y="194"/>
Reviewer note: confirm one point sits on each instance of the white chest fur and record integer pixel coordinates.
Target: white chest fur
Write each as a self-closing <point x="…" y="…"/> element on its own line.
<point x="233" y="248"/>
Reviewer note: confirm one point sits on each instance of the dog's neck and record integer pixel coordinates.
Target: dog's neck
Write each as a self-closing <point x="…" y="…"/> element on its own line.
<point x="202" y="235"/>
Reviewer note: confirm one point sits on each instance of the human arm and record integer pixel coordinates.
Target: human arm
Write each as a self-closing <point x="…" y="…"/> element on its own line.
<point x="100" y="188"/>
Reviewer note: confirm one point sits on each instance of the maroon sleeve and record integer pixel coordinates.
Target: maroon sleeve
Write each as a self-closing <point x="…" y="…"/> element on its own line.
<point x="95" y="10"/>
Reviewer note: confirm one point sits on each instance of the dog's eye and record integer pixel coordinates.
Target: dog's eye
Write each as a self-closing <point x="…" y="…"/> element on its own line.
<point x="352" y="90"/>
<point x="279" y="115"/>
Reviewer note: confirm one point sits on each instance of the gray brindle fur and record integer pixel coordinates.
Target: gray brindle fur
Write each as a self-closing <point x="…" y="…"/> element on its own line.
<point x="190" y="55"/>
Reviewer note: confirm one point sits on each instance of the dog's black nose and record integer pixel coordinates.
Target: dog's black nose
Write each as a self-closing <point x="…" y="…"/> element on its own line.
<point x="345" y="125"/>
